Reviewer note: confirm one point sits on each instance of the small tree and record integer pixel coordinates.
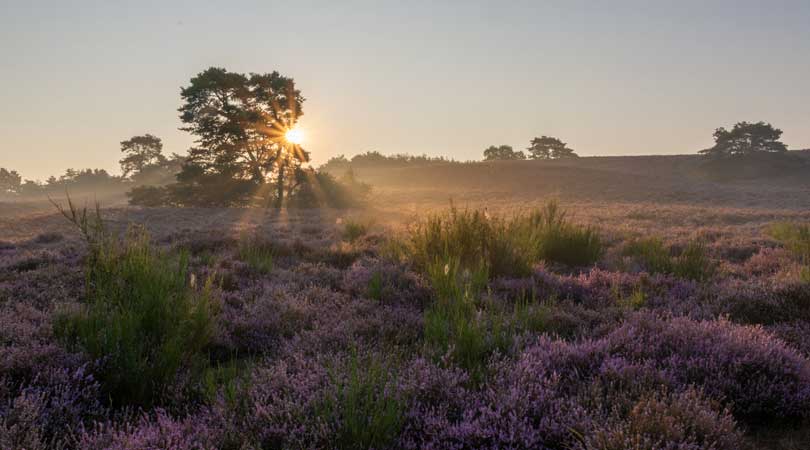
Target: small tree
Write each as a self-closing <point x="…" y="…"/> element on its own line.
<point x="502" y="152"/>
<point x="141" y="152"/>
<point x="10" y="181"/>
<point x="746" y="139"/>
<point x="547" y="147"/>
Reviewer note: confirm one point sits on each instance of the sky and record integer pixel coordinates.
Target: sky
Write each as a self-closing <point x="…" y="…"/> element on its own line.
<point x="435" y="77"/>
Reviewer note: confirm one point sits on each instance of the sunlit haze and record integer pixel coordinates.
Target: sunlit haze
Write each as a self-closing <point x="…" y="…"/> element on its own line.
<point x="295" y="136"/>
<point x="441" y="78"/>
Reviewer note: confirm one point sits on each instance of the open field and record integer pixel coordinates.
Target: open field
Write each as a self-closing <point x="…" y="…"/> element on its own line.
<point x="334" y="329"/>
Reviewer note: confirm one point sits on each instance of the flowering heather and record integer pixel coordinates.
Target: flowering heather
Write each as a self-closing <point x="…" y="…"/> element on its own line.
<point x="152" y="431"/>
<point x="756" y="373"/>
<point x="682" y="421"/>
<point x="317" y="339"/>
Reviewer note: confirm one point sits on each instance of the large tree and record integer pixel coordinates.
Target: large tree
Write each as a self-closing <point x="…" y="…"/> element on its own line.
<point x="10" y="181"/>
<point x="141" y="151"/>
<point x="502" y="152"/>
<point x="547" y="147"/>
<point x="240" y="122"/>
<point x="746" y="139"/>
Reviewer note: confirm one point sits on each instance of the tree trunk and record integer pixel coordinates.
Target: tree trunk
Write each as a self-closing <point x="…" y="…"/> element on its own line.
<point x="280" y="185"/>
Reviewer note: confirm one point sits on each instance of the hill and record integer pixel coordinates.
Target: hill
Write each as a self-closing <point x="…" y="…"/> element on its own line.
<point x="678" y="179"/>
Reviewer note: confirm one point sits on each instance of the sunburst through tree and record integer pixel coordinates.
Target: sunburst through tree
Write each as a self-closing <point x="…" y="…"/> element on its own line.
<point x="248" y="147"/>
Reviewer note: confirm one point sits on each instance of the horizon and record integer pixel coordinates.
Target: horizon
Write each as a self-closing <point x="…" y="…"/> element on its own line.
<point x="630" y="80"/>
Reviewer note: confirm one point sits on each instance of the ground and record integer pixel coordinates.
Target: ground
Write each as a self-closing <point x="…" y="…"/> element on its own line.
<point x="318" y="318"/>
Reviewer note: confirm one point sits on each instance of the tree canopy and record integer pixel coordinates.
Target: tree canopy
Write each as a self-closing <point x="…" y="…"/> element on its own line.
<point x="240" y="123"/>
<point x="10" y="181"/>
<point x="502" y="152"/>
<point x="547" y="147"/>
<point x="141" y="152"/>
<point x="745" y="139"/>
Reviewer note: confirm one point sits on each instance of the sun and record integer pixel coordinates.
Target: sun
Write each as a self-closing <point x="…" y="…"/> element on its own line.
<point x="295" y="136"/>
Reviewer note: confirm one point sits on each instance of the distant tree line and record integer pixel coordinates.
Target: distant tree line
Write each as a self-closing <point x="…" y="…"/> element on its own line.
<point x="743" y="139"/>
<point x="544" y="147"/>
<point x="143" y="164"/>
<point x="340" y="164"/>
<point x="242" y="156"/>
<point x="12" y="184"/>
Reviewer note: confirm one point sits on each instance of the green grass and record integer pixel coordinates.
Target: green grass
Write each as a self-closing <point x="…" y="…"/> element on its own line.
<point x="257" y="254"/>
<point x="451" y="324"/>
<point x="557" y="240"/>
<point x="353" y="230"/>
<point x="470" y="238"/>
<point x="636" y="300"/>
<point x="694" y="263"/>
<point x="375" y="287"/>
<point x="795" y="237"/>
<point x="142" y="317"/>
<point x="651" y="253"/>
<point x="502" y="246"/>
<point x="804" y="275"/>
<point x="529" y="315"/>
<point x="224" y="378"/>
<point x="459" y="252"/>
<point x="654" y="256"/>
<point x="362" y="406"/>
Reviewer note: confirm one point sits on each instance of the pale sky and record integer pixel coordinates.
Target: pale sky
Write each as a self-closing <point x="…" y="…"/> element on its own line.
<point x="442" y="78"/>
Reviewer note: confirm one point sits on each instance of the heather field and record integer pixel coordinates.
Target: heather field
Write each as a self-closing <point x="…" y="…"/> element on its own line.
<point x="370" y="225"/>
<point x="492" y="323"/>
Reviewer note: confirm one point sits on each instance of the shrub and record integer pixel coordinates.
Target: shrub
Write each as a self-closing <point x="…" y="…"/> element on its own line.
<point x="795" y="237"/>
<point x="143" y="317"/>
<point x="49" y="408"/>
<point x="765" y="303"/>
<point x="149" y="196"/>
<point x="205" y="190"/>
<point x="353" y="230"/>
<point x="153" y="430"/>
<point x="675" y="421"/>
<point x="388" y="282"/>
<point x="757" y="375"/>
<point x="318" y="189"/>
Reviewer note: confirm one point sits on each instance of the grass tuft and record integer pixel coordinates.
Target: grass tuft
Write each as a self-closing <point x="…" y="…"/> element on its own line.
<point x="558" y="240"/>
<point x="257" y="254"/>
<point x="363" y="408"/>
<point x="502" y="247"/>
<point x="144" y="318"/>
<point x="795" y="237"/>
<point x="352" y="231"/>
<point x="692" y="262"/>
